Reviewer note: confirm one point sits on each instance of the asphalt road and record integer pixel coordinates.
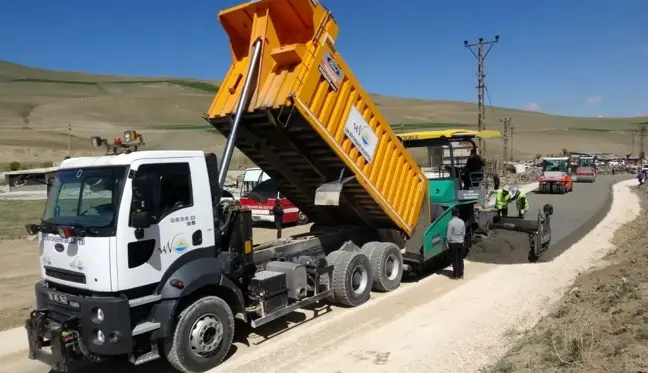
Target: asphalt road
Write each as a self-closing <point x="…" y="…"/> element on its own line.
<point x="575" y="214"/>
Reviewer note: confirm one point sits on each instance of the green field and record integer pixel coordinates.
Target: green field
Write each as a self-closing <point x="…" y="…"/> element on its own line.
<point x="14" y="215"/>
<point x="38" y="105"/>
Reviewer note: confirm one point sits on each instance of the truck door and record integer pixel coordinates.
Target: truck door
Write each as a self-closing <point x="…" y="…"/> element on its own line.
<point x="178" y="225"/>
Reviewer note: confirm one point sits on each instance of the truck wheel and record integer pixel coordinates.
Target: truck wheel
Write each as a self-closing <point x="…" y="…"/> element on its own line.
<point x="352" y="279"/>
<point x="302" y="218"/>
<point x="202" y="337"/>
<point x="387" y="264"/>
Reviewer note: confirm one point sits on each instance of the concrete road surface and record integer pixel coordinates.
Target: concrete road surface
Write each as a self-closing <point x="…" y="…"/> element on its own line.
<point x="294" y="343"/>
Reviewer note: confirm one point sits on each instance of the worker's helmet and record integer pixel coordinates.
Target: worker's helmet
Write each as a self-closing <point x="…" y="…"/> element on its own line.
<point x="515" y="191"/>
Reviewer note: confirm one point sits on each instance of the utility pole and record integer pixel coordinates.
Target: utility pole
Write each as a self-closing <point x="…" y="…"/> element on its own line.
<point x="69" y="139"/>
<point x="481" y="86"/>
<point x="642" y="135"/>
<point x="511" y="126"/>
<point x="632" y="147"/>
<point x="507" y="122"/>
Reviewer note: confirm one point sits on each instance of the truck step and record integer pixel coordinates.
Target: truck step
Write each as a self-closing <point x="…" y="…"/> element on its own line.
<point x="145" y="327"/>
<point x="145" y="358"/>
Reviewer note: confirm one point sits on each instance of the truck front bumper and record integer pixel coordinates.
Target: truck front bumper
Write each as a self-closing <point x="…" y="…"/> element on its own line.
<point x="76" y="327"/>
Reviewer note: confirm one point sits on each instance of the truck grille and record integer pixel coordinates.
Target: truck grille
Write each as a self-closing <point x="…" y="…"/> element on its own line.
<point x="64" y="275"/>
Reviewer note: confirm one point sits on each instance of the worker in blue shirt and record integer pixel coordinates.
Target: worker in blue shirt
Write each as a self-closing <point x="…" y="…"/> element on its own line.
<point x="641" y="176"/>
<point x="455" y="237"/>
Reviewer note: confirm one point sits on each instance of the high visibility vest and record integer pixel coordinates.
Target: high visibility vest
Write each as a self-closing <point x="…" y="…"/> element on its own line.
<point x="522" y="206"/>
<point x="502" y="201"/>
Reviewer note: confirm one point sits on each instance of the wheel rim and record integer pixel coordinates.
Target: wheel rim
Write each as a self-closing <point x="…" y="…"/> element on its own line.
<point x="359" y="279"/>
<point x="206" y="334"/>
<point x="392" y="267"/>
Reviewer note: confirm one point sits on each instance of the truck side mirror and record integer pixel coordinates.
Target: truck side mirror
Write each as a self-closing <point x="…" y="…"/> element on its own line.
<point x="145" y="191"/>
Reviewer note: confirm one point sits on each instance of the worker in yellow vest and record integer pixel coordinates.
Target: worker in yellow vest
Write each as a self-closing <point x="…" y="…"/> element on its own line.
<point x="502" y="200"/>
<point x="521" y="202"/>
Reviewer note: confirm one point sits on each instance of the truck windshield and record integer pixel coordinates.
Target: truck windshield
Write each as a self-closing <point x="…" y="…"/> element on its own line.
<point x="586" y="163"/>
<point x="556" y="165"/>
<point x="85" y="197"/>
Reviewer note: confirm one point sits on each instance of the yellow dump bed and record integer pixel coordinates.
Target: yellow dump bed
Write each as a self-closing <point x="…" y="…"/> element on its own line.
<point x="309" y="120"/>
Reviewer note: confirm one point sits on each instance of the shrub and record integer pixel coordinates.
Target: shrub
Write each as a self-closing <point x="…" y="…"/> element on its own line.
<point x="14" y="166"/>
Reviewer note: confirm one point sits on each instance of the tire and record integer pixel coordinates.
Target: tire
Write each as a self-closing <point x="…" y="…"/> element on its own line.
<point x="532" y="257"/>
<point x="468" y="242"/>
<point x="333" y="257"/>
<point x="386" y="263"/>
<point x="561" y="189"/>
<point x="352" y="277"/>
<point x="302" y="219"/>
<point x="206" y="315"/>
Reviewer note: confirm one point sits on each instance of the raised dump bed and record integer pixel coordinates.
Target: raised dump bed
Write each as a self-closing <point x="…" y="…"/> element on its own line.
<point x="309" y="122"/>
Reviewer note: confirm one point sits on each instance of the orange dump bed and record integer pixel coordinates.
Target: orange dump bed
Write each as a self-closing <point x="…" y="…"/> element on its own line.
<point x="309" y="120"/>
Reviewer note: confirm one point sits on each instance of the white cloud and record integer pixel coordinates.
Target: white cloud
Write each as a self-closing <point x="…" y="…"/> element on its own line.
<point x="593" y="99"/>
<point x="532" y="106"/>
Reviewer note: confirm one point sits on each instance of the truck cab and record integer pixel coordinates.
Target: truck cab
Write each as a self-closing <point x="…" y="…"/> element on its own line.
<point x="123" y="240"/>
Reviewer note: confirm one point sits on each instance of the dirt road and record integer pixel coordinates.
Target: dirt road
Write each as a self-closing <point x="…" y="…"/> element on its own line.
<point x="356" y="339"/>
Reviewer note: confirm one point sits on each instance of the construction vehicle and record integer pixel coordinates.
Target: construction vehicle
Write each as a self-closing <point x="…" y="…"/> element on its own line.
<point x="259" y="194"/>
<point x="585" y="169"/>
<point x="556" y="176"/>
<point x="141" y="258"/>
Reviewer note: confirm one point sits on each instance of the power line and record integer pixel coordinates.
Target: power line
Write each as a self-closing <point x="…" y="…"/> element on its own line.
<point x="490" y="103"/>
<point x="481" y="56"/>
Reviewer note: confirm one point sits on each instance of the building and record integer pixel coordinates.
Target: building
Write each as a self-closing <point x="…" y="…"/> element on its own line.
<point x="34" y="180"/>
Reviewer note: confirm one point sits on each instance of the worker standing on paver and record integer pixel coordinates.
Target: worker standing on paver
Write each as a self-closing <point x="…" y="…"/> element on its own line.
<point x="278" y="213"/>
<point x="521" y="202"/>
<point x="455" y="242"/>
<point x="473" y="171"/>
<point x="502" y="200"/>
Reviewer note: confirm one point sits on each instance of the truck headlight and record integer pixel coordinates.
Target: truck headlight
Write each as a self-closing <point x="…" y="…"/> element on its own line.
<point x="98" y="315"/>
<point x="99" y="337"/>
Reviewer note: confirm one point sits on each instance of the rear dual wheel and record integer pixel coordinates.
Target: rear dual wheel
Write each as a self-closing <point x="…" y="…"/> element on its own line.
<point x="352" y="275"/>
<point x="387" y="263"/>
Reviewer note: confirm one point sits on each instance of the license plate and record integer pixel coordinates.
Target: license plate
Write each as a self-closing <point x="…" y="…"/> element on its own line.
<point x="58" y="298"/>
<point x="255" y="218"/>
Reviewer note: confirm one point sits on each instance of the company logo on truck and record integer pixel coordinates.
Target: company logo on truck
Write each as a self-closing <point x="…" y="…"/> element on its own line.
<point x="360" y="133"/>
<point x="365" y="133"/>
<point x="331" y="71"/>
<point x="179" y="244"/>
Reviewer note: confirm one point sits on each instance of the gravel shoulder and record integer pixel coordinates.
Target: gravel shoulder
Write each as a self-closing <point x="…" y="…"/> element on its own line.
<point x="467" y="329"/>
<point x="601" y="325"/>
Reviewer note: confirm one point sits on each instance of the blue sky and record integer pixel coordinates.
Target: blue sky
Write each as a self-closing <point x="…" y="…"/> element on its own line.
<point x="576" y="57"/>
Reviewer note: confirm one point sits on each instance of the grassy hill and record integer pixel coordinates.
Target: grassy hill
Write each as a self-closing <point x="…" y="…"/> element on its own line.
<point x="36" y="106"/>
